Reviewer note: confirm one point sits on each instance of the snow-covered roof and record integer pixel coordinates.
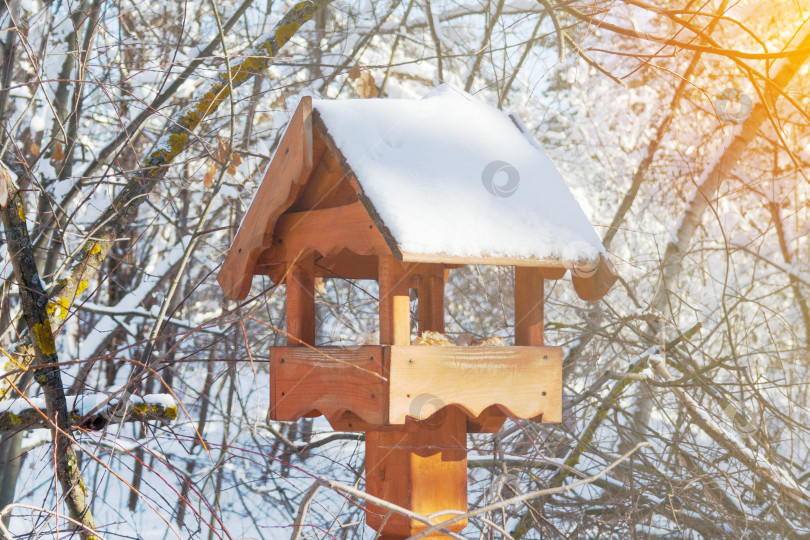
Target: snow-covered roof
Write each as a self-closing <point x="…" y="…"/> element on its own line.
<point x="443" y="179"/>
<point x="451" y="176"/>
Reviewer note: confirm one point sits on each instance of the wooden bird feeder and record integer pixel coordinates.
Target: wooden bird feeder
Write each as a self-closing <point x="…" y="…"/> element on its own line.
<point x="402" y="191"/>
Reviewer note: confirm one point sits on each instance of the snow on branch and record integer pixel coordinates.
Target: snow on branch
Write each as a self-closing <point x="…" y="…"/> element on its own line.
<point x="29" y="413"/>
<point x="775" y="475"/>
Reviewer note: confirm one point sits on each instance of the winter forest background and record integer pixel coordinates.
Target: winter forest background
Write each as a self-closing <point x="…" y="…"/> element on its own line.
<point x="680" y="126"/>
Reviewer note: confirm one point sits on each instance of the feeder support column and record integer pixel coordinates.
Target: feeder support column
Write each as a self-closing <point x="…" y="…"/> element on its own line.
<point x="421" y="466"/>
<point x="431" y="299"/>
<point x="300" y="283"/>
<point x="528" y="306"/>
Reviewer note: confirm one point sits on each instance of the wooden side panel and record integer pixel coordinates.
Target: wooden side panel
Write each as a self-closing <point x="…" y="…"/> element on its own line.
<point x="349" y="421"/>
<point x="330" y="380"/>
<point x="287" y="172"/>
<point x="328" y="231"/>
<point x="347" y="265"/>
<point x="300" y="284"/>
<point x="528" y="306"/>
<point x="525" y="380"/>
<point x="328" y="187"/>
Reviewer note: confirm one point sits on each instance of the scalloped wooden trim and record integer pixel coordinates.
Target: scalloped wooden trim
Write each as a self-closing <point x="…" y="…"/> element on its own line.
<point x="385" y="385"/>
<point x="525" y="381"/>
<point x="328" y="231"/>
<point x="329" y="380"/>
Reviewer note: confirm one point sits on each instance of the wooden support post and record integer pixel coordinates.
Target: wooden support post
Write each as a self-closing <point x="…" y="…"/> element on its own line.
<point x="395" y="308"/>
<point x="300" y="283"/>
<point x="423" y="466"/>
<point x="431" y="299"/>
<point x="528" y="306"/>
<point x="529" y="324"/>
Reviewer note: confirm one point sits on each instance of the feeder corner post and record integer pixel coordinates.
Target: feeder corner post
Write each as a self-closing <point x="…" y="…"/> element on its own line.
<point x="300" y="303"/>
<point x="528" y="306"/>
<point x="430" y="298"/>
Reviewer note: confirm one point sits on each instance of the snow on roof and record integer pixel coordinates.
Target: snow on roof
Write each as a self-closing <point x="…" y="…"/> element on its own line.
<point x="450" y="175"/>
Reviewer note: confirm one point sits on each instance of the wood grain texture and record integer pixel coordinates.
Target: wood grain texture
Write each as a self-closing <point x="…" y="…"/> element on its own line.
<point x="288" y="171"/>
<point x="423" y="467"/>
<point x="328" y="231"/>
<point x="330" y="380"/>
<point x="527" y="381"/>
<point x="343" y="265"/>
<point x="395" y="310"/>
<point x="591" y="284"/>
<point x="552" y="273"/>
<point x="431" y="298"/>
<point x="528" y="306"/>
<point x="300" y="301"/>
<point x="551" y="264"/>
<point x="491" y="420"/>
<point x="347" y="265"/>
<point x="328" y="185"/>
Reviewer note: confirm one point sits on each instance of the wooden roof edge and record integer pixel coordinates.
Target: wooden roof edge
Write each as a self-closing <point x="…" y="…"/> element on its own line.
<point x="591" y="281"/>
<point x="550" y="264"/>
<point x="378" y="222"/>
<point x="289" y="168"/>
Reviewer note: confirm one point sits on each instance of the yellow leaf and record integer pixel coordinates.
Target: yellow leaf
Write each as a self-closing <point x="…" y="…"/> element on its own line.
<point x="58" y="156"/>
<point x="208" y="181"/>
<point x="355" y="72"/>
<point x="320" y="286"/>
<point x="365" y="85"/>
<point x="222" y="150"/>
<point x="236" y="160"/>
